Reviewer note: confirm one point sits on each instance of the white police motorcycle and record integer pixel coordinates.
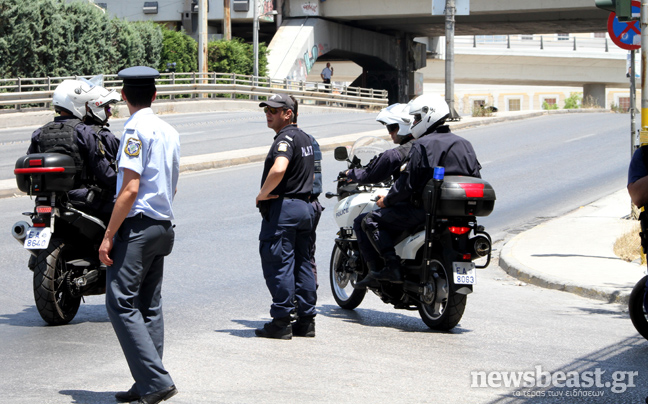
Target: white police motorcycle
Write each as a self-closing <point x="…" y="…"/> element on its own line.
<point x="437" y="258"/>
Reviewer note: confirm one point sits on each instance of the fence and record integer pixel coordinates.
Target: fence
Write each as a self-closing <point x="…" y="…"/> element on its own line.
<point x="552" y="42"/>
<point x="24" y="93"/>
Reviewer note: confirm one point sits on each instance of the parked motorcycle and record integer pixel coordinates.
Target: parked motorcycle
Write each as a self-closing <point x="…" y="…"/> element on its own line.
<point x="62" y="239"/>
<point x="437" y="258"/>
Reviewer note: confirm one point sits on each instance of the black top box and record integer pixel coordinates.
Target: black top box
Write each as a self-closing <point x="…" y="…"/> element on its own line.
<point x="461" y="196"/>
<point x="44" y="173"/>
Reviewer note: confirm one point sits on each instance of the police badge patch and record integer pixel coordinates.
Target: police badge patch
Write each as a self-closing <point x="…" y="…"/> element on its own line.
<point x="282" y="146"/>
<point x="133" y="147"/>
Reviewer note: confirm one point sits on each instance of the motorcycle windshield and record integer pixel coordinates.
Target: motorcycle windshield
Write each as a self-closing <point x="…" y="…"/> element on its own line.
<point x="368" y="147"/>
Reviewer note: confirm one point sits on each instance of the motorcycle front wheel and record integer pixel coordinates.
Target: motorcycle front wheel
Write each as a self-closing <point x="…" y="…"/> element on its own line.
<point x="54" y="302"/>
<point x="636" y="307"/>
<point x="342" y="278"/>
<point x="441" y="308"/>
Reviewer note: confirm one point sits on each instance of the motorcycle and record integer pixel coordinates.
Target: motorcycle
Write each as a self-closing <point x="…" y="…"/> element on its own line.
<point x="437" y="258"/>
<point x="63" y="240"/>
<point x="636" y="307"/>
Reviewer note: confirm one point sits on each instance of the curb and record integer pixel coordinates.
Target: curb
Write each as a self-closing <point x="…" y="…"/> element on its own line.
<point x="526" y="274"/>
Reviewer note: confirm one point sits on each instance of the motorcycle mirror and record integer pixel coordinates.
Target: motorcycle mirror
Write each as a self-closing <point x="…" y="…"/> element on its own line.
<point x="341" y="153"/>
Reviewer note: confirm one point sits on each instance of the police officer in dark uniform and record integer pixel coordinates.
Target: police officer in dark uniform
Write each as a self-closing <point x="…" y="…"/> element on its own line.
<point x="401" y="209"/>
<point x="68" y="134"/>
<point x="284" y="240"/>
<point x="138" y="237"/>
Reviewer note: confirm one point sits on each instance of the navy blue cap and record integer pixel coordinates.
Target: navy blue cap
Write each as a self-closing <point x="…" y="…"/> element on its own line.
<point x="139" y="76"/>
<point x="279" y="101"/>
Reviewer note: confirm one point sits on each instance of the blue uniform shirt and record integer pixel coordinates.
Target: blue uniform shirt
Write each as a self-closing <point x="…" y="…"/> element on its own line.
<point x="637" y="167"/>
<point x="151" y="148"/>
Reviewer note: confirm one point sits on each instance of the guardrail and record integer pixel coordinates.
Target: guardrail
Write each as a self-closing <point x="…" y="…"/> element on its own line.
<point x="37" y="92"/>
<point x="537" y="42"/>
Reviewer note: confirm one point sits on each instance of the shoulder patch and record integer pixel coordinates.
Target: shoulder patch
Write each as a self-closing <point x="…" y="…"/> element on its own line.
<point x="133" y="147"/>
<point x="282" y="146"/>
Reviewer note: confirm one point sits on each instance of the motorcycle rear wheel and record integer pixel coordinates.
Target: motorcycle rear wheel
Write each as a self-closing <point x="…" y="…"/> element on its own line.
<point x="447" y="307"/>
<point x="636" y="307"/>
<point x="342" y="280"/>
<point x="54" y="302"/>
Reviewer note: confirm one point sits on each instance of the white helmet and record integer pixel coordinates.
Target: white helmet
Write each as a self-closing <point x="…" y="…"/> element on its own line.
<point x="396" y="114"/>
<point x="430" y="111"/>
<point x="104" y="98"/>
<point x="72" y="96"/>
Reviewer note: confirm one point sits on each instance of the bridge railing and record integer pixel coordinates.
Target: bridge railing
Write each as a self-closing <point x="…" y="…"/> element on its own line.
<point x="537" y="42"/>
<point x="22" y="93"/>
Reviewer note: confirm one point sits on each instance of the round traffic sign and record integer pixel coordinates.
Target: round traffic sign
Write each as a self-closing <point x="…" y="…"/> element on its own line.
<point x="626" y="35"/>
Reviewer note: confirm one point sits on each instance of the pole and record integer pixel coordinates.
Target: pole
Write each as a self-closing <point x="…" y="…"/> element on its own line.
<point x="633" y="103"/>
<point x="255" y="44"/>
<point x="202" y="38"/>
<point x="644" y="83"/>
<point x="449" y="64"/>
<point x="227" y="20"/>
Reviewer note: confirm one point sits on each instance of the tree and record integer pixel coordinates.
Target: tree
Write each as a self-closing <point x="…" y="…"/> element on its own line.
<point x="235" y="56"/>
<point x="178" y="48"/>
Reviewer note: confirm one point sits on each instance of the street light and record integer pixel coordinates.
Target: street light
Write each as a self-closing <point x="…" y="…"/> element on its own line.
<point x="255" y="36"/>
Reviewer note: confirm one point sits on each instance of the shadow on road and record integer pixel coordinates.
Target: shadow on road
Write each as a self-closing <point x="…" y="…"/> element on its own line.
<point x="90" y="397"/>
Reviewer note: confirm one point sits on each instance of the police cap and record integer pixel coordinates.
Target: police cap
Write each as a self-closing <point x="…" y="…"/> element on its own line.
<point x="279" y="101"/>
<point x="138" y="76"/>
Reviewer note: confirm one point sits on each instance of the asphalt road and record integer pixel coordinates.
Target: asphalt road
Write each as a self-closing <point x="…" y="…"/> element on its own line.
<point x="215" y="296"/>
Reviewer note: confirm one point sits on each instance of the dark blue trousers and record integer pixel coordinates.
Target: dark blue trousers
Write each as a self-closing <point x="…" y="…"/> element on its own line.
<point x="284" y="247"/>
<point x="376" y="230"/>
<point x="134" y="300"/>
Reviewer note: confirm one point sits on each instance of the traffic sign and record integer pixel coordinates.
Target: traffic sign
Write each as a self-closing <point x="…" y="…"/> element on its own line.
<point x="626" y="35"/>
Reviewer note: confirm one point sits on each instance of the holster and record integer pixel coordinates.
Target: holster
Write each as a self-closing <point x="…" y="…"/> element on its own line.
<point x="264" y="209"/>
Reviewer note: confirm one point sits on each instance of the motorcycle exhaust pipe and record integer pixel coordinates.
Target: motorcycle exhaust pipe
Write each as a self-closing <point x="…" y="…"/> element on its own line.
<point x="481" y="246"/>
<point x="19" y="231"/>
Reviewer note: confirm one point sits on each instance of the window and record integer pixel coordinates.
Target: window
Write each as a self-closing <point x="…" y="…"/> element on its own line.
<point x="562" y="37"/>
<point x="514" y="104"/>
<point x="150" y="7"/>
<point x="599" y="35"/>
<point x="526" y="37"/>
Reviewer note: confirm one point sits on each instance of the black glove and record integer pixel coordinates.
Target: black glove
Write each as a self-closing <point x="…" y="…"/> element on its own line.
<point x="342" y="175"/>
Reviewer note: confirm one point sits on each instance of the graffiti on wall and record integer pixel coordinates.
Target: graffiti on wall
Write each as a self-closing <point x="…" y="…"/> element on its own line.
<point x="305" y="63"/>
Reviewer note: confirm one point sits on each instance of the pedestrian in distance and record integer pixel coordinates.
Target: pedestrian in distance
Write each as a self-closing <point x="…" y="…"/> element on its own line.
<point x="326" y="75"/>
<point x="138" y="237"/>
<point x="288" y="215"/>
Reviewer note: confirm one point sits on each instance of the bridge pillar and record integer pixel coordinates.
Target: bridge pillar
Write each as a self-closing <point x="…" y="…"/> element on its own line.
<point x="594" y="94"/>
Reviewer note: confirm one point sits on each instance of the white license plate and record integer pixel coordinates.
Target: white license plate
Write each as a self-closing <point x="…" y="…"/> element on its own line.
<point x="38" y="238"/>
<point x="464" y="273"/>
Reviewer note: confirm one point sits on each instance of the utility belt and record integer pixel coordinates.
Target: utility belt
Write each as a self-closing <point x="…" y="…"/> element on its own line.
<point x="303" y="197"/>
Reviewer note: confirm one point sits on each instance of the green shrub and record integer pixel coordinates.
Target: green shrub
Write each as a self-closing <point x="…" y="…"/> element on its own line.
<point x="573" y="101"/>
<point x="547" y="106"/>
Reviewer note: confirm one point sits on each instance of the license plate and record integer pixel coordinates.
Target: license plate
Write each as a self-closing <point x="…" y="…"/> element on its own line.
<point x="464" y="273"/>
<point x="38" y="238"/>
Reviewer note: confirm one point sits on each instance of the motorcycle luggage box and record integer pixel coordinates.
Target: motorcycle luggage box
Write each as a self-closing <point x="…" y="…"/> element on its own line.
<point x="461" y="196"/>
<point x="44" y="173"/>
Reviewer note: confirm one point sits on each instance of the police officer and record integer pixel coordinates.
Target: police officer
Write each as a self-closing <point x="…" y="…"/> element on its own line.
<point x="387" y="164"/>
<point x="284" y="240"/>
<point x="68" y="134"/>
<point x="140" y="235"/>
<point x="401" y="209"/>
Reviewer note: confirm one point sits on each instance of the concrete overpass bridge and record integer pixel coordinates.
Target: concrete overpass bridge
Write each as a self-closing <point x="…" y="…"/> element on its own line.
<point x="379" y="37"/>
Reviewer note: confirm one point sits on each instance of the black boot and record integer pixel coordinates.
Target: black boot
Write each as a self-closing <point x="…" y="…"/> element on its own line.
<point x="370" y="279"/>
<point x="279" y="328"/>
<point x="391" y="273"/>
<point x="304" y="327"/>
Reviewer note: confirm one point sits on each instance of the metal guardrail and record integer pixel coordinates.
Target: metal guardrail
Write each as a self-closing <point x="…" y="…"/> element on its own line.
<point x="536" y="42"/>
<point x="37" y="92"/>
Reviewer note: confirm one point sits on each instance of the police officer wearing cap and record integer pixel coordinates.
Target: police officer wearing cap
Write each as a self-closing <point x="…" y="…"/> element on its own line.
<point x="140" y="235"/>
<point x="284" y="240"/>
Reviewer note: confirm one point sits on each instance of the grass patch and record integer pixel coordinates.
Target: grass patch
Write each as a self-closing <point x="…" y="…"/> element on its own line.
<point x="628" y="246"/>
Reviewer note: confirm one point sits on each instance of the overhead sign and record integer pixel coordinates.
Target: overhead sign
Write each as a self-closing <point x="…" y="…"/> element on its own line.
<point x="626" y="35"/>
<point x="462" y="7"/>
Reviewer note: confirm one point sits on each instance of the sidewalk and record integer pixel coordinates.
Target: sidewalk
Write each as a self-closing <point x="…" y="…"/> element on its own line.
<point x="574" y="253"/>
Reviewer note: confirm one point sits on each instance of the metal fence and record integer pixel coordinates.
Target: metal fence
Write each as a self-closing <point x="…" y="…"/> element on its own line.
<point x="22" y="93"/>
<point x="552" y="42"/>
